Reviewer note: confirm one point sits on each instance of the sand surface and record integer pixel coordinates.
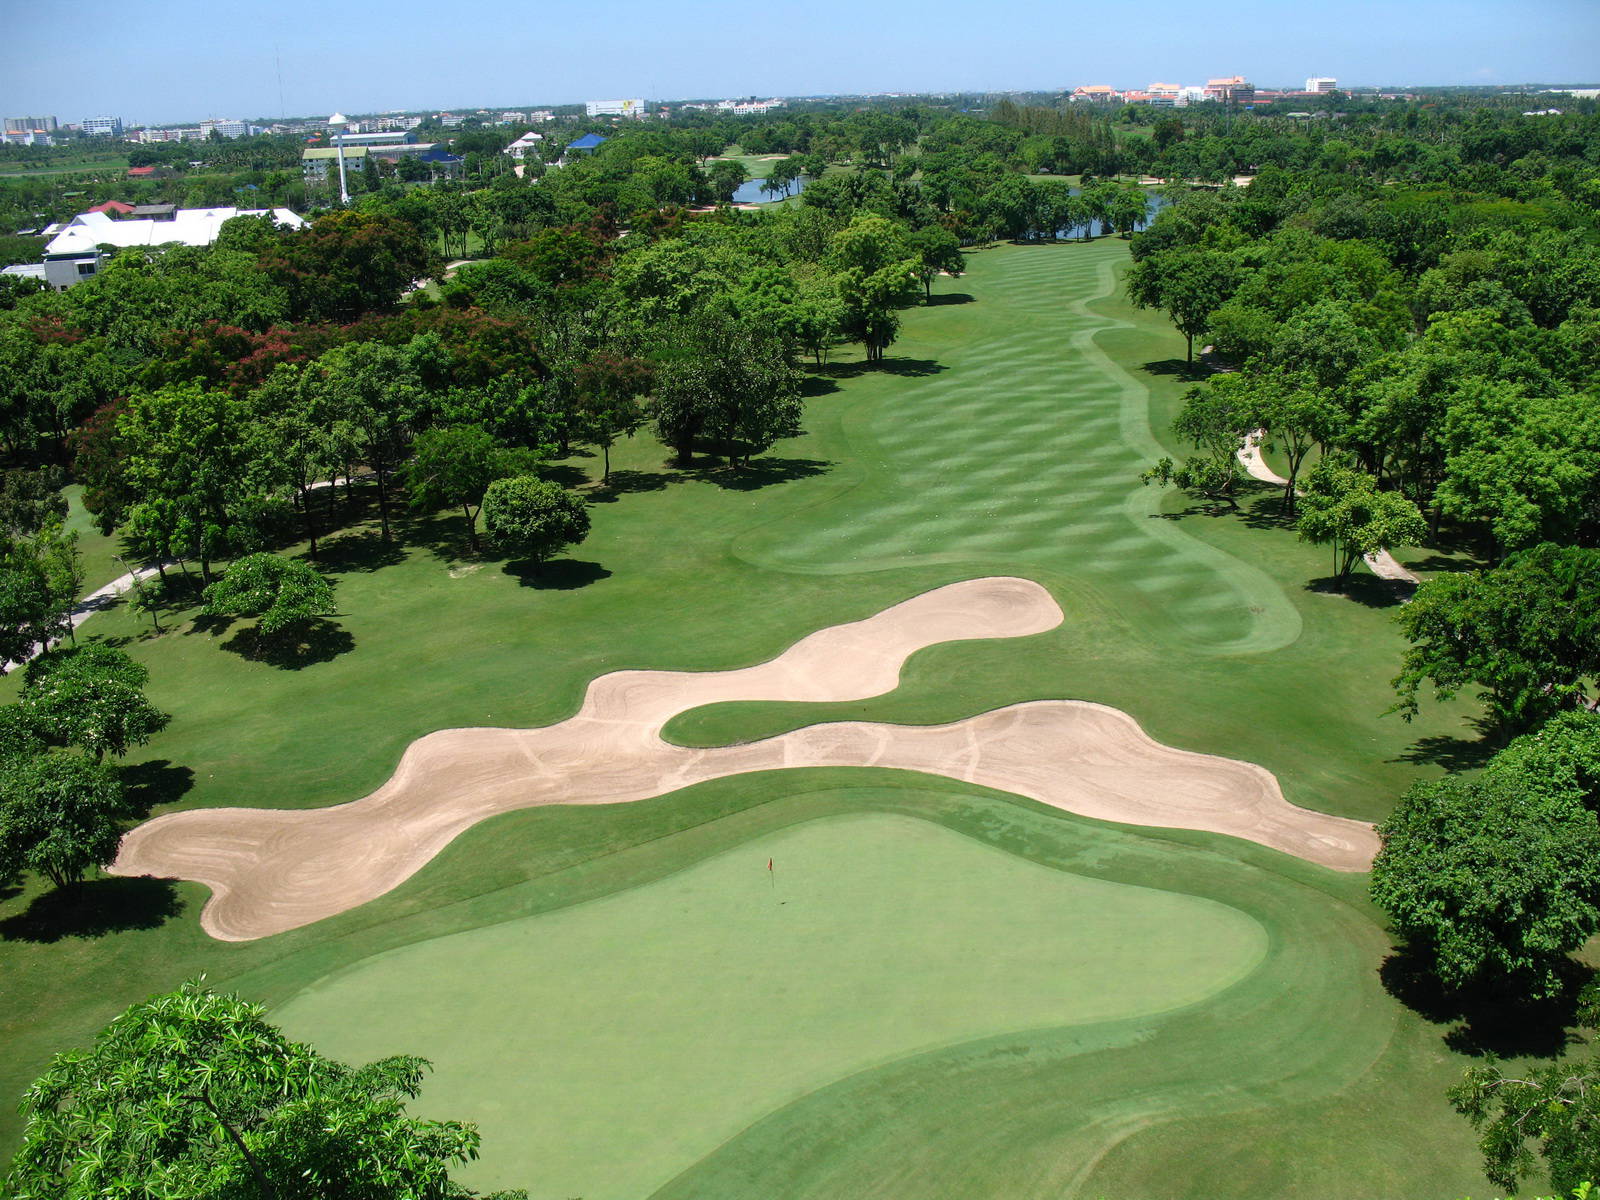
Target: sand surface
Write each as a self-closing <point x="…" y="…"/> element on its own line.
<point x="271" y="870"/>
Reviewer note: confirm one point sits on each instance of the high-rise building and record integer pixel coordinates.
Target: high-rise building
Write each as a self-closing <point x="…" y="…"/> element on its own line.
<point x="29" y="124"/>
<point x="1321" y="84"/>
<point x="103" y="126"/>
<point x="227" y="129"/>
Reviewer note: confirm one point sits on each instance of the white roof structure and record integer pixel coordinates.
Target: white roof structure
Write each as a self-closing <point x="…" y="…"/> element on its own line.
<point x="24" y="270"/>
<point x="190" y="226"/>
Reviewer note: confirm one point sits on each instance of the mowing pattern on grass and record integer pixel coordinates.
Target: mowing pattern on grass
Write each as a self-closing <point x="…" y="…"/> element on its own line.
<point x="668" y="1017"/>
<point x="272" y="870"/>
<point x="1027" y="446"/>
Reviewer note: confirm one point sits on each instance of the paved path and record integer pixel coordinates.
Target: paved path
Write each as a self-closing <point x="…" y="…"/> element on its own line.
<point x="1380" y="562"/>
<point x="104" y="597"/>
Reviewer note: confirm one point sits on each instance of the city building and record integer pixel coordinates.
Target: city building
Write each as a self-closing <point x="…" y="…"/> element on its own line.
<point x="634" y="109"/>
<point x="30" y="125"/>
<point x="1233" y="88"/>
<point x="1097" y="92"/>
<point x="227" y="129"/>
<point x="1165" y="94"/>
<point x="79" y="250"/>
<point x="317" y="162"/>
<point x="102" y="126"/>
<point x="30" y="137"/>
<point x="1192" y="94"/>
<point x="1319" y="85"/>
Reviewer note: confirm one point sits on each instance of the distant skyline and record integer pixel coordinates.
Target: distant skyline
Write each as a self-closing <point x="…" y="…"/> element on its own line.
<point x="184" y="60"/>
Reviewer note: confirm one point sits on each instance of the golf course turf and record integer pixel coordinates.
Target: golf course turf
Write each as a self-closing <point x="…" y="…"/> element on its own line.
<point x="1003" y="437"/>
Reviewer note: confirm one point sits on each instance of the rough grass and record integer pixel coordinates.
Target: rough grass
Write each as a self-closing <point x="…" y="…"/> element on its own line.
<point x="1004" y="435"/>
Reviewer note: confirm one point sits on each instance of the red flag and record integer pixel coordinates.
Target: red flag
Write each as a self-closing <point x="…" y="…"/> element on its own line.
<point x="769" y="864"/>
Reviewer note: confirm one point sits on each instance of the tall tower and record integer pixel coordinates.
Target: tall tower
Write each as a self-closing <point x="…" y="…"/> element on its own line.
<point x="339" y="123"/>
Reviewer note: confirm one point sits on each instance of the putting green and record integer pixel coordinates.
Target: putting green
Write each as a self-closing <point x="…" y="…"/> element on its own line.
<point x="607" y="1047"/>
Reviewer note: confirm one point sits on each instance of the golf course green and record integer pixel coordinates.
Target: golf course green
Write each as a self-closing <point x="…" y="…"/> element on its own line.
<point x="940" y="990"/>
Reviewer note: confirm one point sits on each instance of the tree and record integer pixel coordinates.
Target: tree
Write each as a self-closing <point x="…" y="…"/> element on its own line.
<point x="287" y="595"/>
<point x="91" y="697"/>
<point x="1216" y="418"/>
<point x="347" y="263"/>
<point x="729" y="380"/>
<point x="726" y="177"/>
<point x="29" y="616"/>
<point x="1557" y="1106"/>
<point x="610" y="388"/>
<point x="936" y="250"/>
<point x="877" y="272"/>
<point x="1526" y="632"/>
<point x="59" y="815"/>
<point x="374" y="398"/>
<point x="188" y="466"/>
<point x="193" y="1095"/>
<point x="532" y="517"/>
<point x="1297" y="415"/>
<point x="1491" y="878"/>
<point x="455" y="466"/>
<point x="1344" y="508"/>
<point x="1189" y="284"/>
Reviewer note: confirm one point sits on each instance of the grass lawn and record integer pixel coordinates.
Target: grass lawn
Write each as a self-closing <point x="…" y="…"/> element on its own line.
<point x="1005" y="435"/>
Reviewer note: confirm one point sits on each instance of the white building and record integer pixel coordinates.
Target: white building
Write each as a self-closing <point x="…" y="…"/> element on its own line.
<point x="102" y="126"/>
<point x="615" y="108"/>
<point x="1321" y="84"/>
<point x="76" y="253"/>
<point x="31" y="137"/>
<point x="528" y="143"/>
<point x="227" y="129"/>
<point x="1192" y="94"/>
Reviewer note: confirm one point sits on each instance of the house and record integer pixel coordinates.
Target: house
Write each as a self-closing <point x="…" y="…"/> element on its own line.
<point x="587" y="144"/>
<point x="77" y="251"/>
<point x="116" y="207"/>
<point x="524" y="145"/>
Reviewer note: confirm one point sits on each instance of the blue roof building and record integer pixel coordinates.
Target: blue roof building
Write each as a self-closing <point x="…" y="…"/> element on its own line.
<point x="588" y="142"/>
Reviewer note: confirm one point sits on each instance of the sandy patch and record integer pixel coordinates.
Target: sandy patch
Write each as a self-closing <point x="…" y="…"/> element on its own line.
<point x="271" y="870"/>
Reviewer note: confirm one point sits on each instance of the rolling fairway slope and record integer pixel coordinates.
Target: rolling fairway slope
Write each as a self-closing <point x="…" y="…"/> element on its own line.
<point x="1235" y="1041"/>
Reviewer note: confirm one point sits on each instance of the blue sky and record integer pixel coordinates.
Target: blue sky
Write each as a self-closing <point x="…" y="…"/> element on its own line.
<point x="170" y="60"/>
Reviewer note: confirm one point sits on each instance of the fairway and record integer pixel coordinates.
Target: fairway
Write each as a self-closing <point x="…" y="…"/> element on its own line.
<point x="996" y="997"/>
<point x="605" y="1048"/>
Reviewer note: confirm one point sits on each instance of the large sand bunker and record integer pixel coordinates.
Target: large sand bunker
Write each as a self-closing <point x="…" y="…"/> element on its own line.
<point x="271" y="870"/>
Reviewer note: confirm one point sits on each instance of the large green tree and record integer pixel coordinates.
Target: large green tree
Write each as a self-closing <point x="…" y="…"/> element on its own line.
<point x="194" y="1095"/>
<point x="60" y="815"/>
<point x="876" y="271"/>
<point x="533" y="518"/>
<point x="1344" y="508"/>
<point x="1526" y="633"/>
<point x="1190" y="284"/>
<point x="286" y="595"/>
<point x="1492" y="879"/>
<point x="347" y="263"/>
<point x="454" y="466"/>
<point x="91" y="697"/>
<point x="1556" y="1107"/>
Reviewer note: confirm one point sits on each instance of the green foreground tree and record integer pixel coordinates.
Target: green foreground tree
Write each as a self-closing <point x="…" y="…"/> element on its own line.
<point x="533" y="517"/>
<point x="60" y="815"/>
<point x="455" y="465"/>
<point x="93" y="698"/>
<point x="193" y="1095"/>
<point x="286" y="595"/>
<point x="1344" y="508"/>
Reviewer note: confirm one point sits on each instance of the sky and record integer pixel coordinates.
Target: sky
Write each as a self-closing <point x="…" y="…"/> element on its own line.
<point x="185" y="60"/>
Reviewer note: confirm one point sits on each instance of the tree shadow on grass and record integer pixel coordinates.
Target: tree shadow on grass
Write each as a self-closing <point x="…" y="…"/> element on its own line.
<point x="913" y="368"/>
<point x="951" y="298"/>
<point x="1367" y="590"/>
<point x="566" y="474"/>
<point x="362" y="551"/>
<point x="319" y="641"/>
<point x="1455" y="753"/>
<point x="623" y="482"/>
<point x="95" y="908"/>
<point x="1191" y="372"/>
<point x="1488" y="1020"/>
<point x="151" y="784"/>
<point x="557" y="575"/>
<point x="759" y="472"/>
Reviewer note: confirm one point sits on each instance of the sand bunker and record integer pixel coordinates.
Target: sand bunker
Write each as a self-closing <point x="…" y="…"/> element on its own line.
<point x="272" y="870"/>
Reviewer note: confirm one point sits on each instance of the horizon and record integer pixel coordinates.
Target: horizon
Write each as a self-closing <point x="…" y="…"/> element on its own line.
<point x="261" y="63"/>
